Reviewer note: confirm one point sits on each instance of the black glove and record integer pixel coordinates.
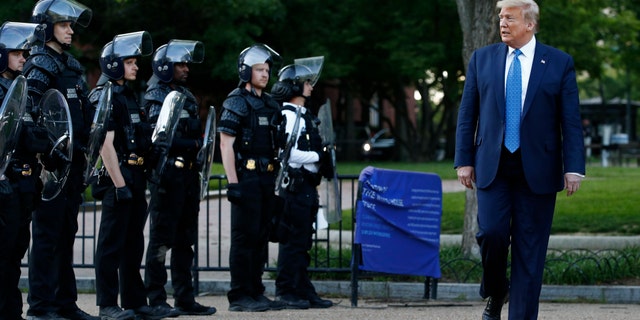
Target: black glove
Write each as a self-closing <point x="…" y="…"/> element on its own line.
<point x="234" y="193"/>
<point x="54" y="160"/>
<point x="35" y="138"/>
<point x="123" y="193"/>
<point x="326" y="163"/>
<point x="157" y="150"/>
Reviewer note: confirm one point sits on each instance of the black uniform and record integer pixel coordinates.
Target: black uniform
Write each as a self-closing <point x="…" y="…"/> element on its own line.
<point x="52" y="282"/>
<point x="175" y="202"/>
<point x="248" y="118"/>
<point x="301" y="207"/>
<point x="19" y="194"/>
<point x="121" y="239"/>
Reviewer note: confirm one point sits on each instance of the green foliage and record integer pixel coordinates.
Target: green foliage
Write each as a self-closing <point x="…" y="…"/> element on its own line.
<point x="605" y="203"/>
<point x="573" y="267"/>
<point x="374" y="50"/>
<point x="331" y="259"/>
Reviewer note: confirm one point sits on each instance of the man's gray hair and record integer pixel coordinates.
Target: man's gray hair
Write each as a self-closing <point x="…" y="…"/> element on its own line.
<point x="530" y="10"/>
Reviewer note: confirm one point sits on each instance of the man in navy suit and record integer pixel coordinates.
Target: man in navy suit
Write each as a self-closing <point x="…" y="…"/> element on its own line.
<point x="517" y="178"/>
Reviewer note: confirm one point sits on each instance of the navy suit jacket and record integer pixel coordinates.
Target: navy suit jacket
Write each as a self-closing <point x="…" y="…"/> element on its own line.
<point x="551" y="140"/>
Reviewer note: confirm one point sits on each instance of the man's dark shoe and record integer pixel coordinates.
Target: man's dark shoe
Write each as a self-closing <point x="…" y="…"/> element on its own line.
<point x="292" y="302"/>
<point x="116" y="313"/>
<point x="77" y="314"/>
<point x="248" y="304"/>
<point x="195" y="309"/>
<point x="494" y="308"/>
<point x="168" y="309"/>
<point x="318" y="303"/>
<point x="273" y="305"/>
<point x="151" y="313"/>
<point x="44" y="316"/>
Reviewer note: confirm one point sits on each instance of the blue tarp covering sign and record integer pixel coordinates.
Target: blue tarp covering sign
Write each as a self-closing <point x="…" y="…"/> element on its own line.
<point x="398" y="222"/>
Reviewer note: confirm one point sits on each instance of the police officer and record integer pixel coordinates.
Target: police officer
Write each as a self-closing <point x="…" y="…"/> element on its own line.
<point x="175" y="197"/>
<point x="247" y="151"/>
<point x="52" y="283"/>
<point x="299" y="189"/>
<point x="124" y="206"/>
<point x="19" y="185"/>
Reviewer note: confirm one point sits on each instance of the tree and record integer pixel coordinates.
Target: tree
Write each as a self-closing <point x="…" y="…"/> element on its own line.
<point x="479" y="24"/>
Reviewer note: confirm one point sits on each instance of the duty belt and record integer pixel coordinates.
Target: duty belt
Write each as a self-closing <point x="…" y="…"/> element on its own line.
<point x="17" y="170"/>
<point x="261" y="165"/>
<point x="181" y="163"/>
<point x="24" y="170"/>
<point x="135" y="160"/>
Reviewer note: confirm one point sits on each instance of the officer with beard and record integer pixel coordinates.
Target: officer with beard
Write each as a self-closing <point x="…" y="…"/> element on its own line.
<point x="248" y="156"/>
<point x="175" y="198"/>
<point x="20" y="183"/>
<point x="52" y="282"/>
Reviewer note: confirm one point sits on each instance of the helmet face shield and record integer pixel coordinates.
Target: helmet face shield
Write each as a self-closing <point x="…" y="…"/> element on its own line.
<point x="312" y="68"/>
<point x="20" y="36"/>
<point x="64" y="10"/>
<point x="132" y="44"/>
<point x="259" y="53"/>
<point x="303" y="70"/>
<point x="184" y="51"/>
<point x="175" y="51"/>
<point x="123" y="46"/>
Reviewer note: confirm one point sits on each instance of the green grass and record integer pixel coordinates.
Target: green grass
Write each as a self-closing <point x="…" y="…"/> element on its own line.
<point x="608" y="201"/>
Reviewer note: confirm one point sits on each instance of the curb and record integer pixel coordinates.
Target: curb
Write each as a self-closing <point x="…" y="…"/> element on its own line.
<point x="415" y="291"/>
<point x="568" y="241"/>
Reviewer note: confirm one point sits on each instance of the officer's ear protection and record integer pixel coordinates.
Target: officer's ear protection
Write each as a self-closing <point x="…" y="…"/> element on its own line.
<point x="295" y="87"/>
<point x="41" y="18"/>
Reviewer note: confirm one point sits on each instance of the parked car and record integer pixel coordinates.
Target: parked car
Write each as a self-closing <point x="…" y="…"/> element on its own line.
<point x="379" y="146"/>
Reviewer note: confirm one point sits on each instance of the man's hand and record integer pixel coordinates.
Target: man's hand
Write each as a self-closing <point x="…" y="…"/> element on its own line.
<point x="234" y="193"/>
<point x="123" y="194"/>
<point x="55" y="160"/>
<point x="466" y="176"/>
<point x="157" y="150"/>
<point x="572" y="183"/>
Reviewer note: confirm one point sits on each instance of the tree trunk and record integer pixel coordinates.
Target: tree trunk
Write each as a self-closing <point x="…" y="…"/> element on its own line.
<point x="478" y="19"/>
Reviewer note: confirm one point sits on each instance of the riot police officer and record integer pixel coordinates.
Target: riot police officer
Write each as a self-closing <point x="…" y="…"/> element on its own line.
<point x="124" y="206"/>
<point x="248" y="157"/>
<point x="52" y="283"/>
<point x="299" y="189"/>
<point x="19" y="185"/>
<point x="175" y="194"/>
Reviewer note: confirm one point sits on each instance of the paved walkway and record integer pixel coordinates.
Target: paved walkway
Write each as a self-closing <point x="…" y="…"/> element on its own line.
<point x="404" y="310"/>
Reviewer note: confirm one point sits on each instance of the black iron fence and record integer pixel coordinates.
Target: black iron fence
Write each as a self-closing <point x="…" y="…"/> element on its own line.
<point x="333" y="246"/>
<point x="212" y="247"/>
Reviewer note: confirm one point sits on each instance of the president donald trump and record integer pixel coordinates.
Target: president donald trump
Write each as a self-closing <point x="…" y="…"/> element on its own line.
<point x="519" y="140"/>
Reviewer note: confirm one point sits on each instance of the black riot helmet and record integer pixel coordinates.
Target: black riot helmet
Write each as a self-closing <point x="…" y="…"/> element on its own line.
<point x="50" y="12"/>
<point x="16" y="36"/>
<point x="291" y="78"/>
<point x="175" y="51"/>
<point x="257" y="53"/>
<point x="124" y="46"/>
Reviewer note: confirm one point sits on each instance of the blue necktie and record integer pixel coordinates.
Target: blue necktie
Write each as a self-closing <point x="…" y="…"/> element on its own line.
<point x="514" y="104"/>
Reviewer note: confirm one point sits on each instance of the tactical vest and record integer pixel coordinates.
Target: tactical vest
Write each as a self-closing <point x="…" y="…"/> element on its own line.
<point x="65" y="74"/>
<point x="256" y="137"/>
<point x="134" y="134"/>
<point x="189" y="125"/>
<point x="309" y="139"/>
